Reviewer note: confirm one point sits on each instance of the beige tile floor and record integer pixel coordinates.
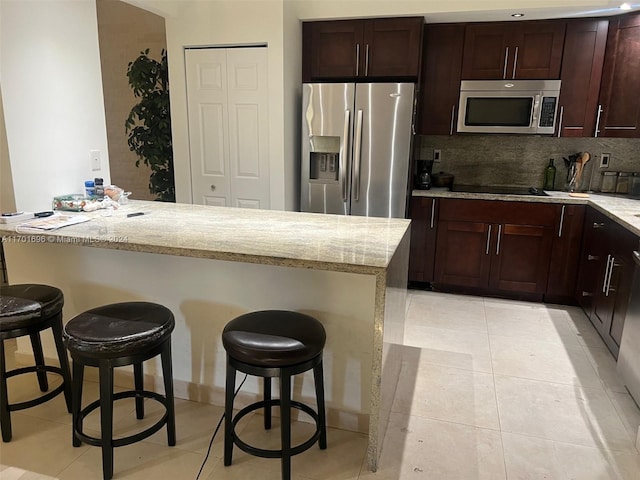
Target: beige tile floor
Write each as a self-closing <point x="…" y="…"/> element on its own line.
<point x="490" y="389"/>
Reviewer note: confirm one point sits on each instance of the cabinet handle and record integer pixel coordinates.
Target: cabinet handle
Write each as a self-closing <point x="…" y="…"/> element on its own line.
<point x="587" y="294"/>
<point x="560" y="115"/>
<point x="498" y="242"/>
<point x="593" y="257"/>
<point x="453" y="115"/>
<point x="595" y="134"/>
<point x="515" y="62"/>
<point x="613" y="265"/>
<point x="598" y="225"/>
<point x="433" y="213"/>
<point x="366" y="61"/>
<point x="606" y="274"/>
<point x="506" y="57"/>
<point x="561" y="221"/>
<point x="486" y="252"/>
<point x="357" y="59"/>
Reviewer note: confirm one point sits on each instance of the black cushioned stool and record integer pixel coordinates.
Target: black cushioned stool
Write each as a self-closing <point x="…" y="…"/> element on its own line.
<point x="114" y="336"/>
<point x="29" y="309"/>
<point x="274" y="343"/>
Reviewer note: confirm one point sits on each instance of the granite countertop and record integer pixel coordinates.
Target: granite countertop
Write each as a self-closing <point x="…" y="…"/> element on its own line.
<point x="620" y="209"/>
<point x="306" y="240"/>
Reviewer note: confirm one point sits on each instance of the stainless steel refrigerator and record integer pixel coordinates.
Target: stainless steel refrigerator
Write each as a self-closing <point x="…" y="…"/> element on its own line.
<point x="356" y="144"/>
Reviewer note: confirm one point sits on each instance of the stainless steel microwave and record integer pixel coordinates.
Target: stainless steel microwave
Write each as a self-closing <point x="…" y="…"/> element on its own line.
<point x="508" y="106"/>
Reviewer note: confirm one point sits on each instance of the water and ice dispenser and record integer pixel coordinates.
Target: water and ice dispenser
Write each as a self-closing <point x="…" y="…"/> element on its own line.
<point x="324" y="159"/>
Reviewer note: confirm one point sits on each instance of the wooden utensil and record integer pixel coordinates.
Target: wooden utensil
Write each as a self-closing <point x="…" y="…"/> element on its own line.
<point x="580" y="163"/>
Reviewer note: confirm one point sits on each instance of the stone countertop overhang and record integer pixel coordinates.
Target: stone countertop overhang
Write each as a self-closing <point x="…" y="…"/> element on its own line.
<point x="341" y="243"/>
<point x="624" y="211"/>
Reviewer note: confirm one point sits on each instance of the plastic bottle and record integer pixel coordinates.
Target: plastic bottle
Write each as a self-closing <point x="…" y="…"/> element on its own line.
<point x="549" y="176"/>
<point x="89" y="188"/>
<point x="99" y="183"/>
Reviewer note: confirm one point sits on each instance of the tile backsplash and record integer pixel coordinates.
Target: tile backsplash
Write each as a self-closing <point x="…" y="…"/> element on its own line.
<point x="521" y="159"/>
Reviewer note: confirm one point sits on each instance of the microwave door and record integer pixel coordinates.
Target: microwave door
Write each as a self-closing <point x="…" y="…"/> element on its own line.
<point x="499" y="112"/>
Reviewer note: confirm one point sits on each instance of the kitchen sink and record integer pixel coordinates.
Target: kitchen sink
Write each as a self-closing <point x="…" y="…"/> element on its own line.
<point x="499" y="190"/>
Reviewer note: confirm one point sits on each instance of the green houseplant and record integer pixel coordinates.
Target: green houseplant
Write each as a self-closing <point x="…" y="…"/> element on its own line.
<point x="149" y="122"/>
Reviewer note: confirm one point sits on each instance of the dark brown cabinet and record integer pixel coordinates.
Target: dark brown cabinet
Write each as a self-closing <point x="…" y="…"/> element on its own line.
<point x="565" y="254"/>
<point x="441" y="74"/>
<point x="371" y="49"/>
<point x="620" y="116"/>
<point x="494" y="247"/>
<point x="606" y="271"/>
<point x="424" y="223"/>
<point x="513" y="50"/>
<point x="584" y="50"/>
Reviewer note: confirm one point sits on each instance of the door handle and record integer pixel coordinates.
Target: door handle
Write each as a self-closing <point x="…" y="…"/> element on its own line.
<point x="486" y="252"/>
<point x="598" y="225"/>
<point x="593" y="257"/>
<point x="587" y="294"/>
<point x="212" y="187"/>
<point x="498" y="241"/>
<point x="561" y="222"/>
<point x="613" y="265"/>
<point x="606" y="274"/>
<point x="515" y="62"/>
<point x="357" y="153"/>
<point x="366" y="61"/>
<point x="560" y="115"/>
<point x="595" y="134"/>
<point x="433" y="212"/>
<point x="534" y="116"/>
<point x="453" y="116"/>
<point x="342" y="166"/>
<point x="506" y="59"/>
<point x="357" y="59"/>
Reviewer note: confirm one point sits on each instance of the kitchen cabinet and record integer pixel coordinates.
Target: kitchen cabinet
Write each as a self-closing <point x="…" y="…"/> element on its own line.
<point x="565" y="254"/>
<point x="368" y="49"/>
<point x="606" y="272"/>
<point x="619" y="99"/>
<point x="424" y="223"/>
<point x="584" y="50"/>
<point x="440" y="79"/>
<point x="494" y="247"/>
<point x="513" y="50"/>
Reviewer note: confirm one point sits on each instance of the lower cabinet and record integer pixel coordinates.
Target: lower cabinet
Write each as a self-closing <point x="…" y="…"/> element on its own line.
<point x="494" y="247"/>
<point x="424" y="224"/>
<point x="606" y="273"/>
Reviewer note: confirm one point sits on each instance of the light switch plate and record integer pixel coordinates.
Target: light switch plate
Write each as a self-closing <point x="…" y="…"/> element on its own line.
<point x="95" y="159"/>
<point x="437" y="155"/>
<point x="604" y="160"/>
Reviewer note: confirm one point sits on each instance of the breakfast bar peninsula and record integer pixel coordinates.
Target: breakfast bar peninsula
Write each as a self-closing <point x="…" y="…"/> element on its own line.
<point x="211" y="264"/>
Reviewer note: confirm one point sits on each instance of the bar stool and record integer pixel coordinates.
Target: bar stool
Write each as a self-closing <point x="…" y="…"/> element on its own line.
<point x="114" y="336"/>
<point x="274" y="343"/>
<point x="28" y="309"/>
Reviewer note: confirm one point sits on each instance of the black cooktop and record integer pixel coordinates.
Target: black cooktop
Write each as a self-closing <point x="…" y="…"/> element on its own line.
<point x="499" y="190"/>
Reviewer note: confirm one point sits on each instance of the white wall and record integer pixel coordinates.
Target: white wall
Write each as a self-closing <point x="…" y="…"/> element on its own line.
<point x="52" y="95"/>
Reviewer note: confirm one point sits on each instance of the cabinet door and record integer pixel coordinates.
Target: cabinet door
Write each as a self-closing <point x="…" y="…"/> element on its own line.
<point x="332" y="50"/>
<point x="565" y="254"/>
<point x="485" y="51"/>
<point x="423" y="239"/>
<point x="521" y="258"/>
<point x="582" y="61"/>
<point x="537" y="50"/>
<point x="621" y="79"/>
<point x="593" y="260"/>
<point x="392" y="48"/>
<point x="463" y="254"/>
<point x="441" y="73"/>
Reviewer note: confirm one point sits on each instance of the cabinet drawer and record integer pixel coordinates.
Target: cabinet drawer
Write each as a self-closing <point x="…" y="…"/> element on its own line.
<point x="492" y="211"/>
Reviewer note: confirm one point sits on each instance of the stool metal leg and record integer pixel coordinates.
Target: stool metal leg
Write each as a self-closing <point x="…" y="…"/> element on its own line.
<point x="106" y="417"/>
<point x="56" y="327"/>
<point x="319" y="382"/>
<point x="267" y="405"/>
<point x="36" y="344"/>
<point x="228" y="413"/>
<point x="167" y="375"/>
<point x="5" y="415"/>
<point x="76" y="402"/>
<point x="285" y="422"/>
<point x="138" y="382"/>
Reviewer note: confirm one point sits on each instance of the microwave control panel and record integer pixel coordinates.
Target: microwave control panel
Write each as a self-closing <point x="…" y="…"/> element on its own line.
<point x="548" y="111"/>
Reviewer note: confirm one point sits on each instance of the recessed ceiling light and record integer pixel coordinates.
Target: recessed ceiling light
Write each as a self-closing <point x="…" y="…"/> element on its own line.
<point x="522" y="14"/>
<point x="625" y="6"/>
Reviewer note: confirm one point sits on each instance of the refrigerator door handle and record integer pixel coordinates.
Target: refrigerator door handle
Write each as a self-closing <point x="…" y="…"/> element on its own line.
<point x="357" y="153"/>
<point x="344" y="155"/>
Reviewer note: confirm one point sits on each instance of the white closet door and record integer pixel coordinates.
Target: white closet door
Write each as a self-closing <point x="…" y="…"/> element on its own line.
<point x="228" y="126"/>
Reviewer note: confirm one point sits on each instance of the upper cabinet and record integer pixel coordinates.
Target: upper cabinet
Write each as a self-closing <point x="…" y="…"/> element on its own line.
<point x="619" y="99"/>
<point x="440" y="83"/>
<point x="362" y="50"/>
<point x="513" y="50"/>
<point x="584" y="51"/>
